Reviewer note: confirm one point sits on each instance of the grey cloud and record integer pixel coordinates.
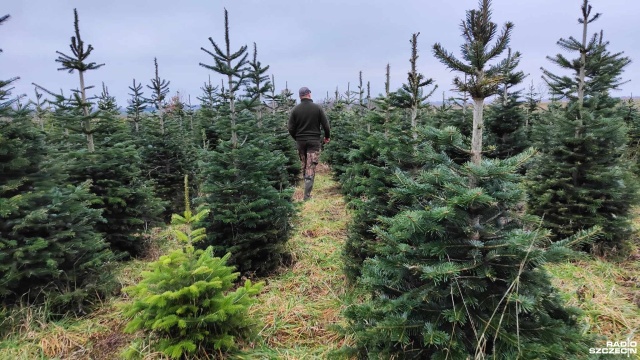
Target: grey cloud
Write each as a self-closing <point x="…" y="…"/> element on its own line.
<point x="321" y="44"/>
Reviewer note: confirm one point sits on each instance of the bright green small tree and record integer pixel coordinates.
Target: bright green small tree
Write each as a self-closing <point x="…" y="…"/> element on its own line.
<point x="185" y="298"/>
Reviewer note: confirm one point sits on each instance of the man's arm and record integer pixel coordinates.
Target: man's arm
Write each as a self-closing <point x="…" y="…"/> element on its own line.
<point x="291" y="126"/>
<point x="325" y="125"/>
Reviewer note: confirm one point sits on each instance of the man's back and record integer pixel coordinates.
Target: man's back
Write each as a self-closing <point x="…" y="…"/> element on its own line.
<point x="306" y="119"/>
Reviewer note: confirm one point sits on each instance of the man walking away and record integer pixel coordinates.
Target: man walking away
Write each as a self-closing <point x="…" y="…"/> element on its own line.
<point x="304" y="126"/>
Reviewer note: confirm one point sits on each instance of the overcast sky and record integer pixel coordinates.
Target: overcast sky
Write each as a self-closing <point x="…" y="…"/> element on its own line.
<point x="316" y="43"/>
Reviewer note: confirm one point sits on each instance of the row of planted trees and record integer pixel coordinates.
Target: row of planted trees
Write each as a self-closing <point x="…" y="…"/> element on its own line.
<point x="81" y="185"/>
<point x="455" y="214"/>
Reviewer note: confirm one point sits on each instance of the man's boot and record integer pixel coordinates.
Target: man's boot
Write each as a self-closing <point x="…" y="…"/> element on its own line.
<point x="308" y="186"/>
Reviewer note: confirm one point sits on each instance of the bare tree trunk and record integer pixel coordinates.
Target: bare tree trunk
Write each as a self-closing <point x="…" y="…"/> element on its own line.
<point x="583" y="62"/>
<point x="387" y="87"/>
<point x="476" y="131"/>
<point x="190" y="115"/>
<point x="259" y="111"/>
<point x="581" y="77"/>
<point x="464" y="101"/>
<point x="232" y="109"/>
<point x="369" y="104"/>
<point x="86" y="124"/>
<point x="161" y="116"/>
<point x="414" y="121"/>
<point x="274" y="103"/>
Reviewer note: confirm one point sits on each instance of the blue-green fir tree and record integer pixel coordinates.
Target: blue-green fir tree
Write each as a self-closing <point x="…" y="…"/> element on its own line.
<point x="481" y="79"/>
<point x="336" y="153"/>
<point x="368" y="182"/>
<point x="273" y="126"/>
<point x="137" y="106"/>
<point x="166" y="146"/>
<point x="457" y="271"/>
<point x="631" y="115"/>
<point x="458" y="274"/>
<point x="110" y="160"/>
<point x="583" y="178"/>
<point x="49" y="249"/>
<point x="244" y="179"/>
<point x="87" y="123"/>
<point x="247" y="188"/>
<point x="385" y="141"/>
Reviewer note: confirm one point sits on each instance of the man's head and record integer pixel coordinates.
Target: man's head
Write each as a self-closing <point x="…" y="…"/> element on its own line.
<point x="304" y="93"/>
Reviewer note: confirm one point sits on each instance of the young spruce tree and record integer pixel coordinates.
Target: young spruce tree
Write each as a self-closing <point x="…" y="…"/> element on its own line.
<point x="506" y="117"/>
<point x="583" y="178"/>
<point x="166" y="148"/>
<point x="387" y="143"/>
<point x="482" y="80"/>
<point x="188" y="299"/>
<point x="244" y="185"/>
<point x="111" y="161"/>
<point x="137" y="106"/>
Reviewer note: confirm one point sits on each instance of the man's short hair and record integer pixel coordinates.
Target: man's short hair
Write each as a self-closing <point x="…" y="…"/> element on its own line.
<point x="304" y="91"/>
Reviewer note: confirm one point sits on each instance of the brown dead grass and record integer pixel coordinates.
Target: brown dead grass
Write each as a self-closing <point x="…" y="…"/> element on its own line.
<point x="98" y="336"/>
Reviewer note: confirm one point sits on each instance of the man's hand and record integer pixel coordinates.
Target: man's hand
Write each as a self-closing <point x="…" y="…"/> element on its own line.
<point x="326" y="140"/>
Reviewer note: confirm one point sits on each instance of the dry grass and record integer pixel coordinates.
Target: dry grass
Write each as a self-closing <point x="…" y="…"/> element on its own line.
<point x="607" y="291"/>
<point x="97" y="336"/>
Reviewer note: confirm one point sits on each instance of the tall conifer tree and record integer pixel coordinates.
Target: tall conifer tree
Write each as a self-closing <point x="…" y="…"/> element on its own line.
<point x="107" y="102"/>
<point x="258" y="85"/>
<point x="582" y="178"/>
<point x="159" y="89"/>
<point x="112" y="163"/>
<point x="49" y="249"/>
<point x="137" y="105"/>
<point x="224" y="65"/>
<point x="206" y="116"/>
<point x="506" y="116"/>
<point x="482" y="80"/>
<point x="245" y="182"/>
<point x="78" y="62"/>
<point x="415" y="86"/>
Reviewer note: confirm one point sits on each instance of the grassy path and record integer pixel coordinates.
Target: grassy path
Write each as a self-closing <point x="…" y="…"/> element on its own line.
<point x="300" y="306"/>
